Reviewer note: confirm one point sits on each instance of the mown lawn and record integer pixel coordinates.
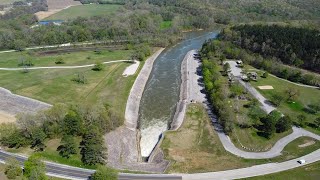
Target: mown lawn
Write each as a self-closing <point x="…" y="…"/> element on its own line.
<point x="294" y="109"/>
<point x="307" y="172"/>
<point x="40" y="58"/>
<point x="88" y="10"/>
<point x="57" y="85"/>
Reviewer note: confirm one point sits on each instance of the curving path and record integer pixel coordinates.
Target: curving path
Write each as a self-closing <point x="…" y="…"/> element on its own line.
<point x="195" y="85"/>
<point x="64" y="67"/>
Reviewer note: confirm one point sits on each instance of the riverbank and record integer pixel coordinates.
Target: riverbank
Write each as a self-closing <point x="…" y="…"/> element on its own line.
<point x="185" y="88"/>
<point x="123" y="143"/>
<point x="133" y="103"/>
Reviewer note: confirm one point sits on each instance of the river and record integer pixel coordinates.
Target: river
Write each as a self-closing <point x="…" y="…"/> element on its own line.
<point x="161" y="94"/>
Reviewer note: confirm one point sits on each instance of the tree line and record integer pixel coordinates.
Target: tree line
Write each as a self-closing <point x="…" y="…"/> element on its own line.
<point x="294" y="46"/>
<point x="228" y="49"/>
<point x="89" y="123"/>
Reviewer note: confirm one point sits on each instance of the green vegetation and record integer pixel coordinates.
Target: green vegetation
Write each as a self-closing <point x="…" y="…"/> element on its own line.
<point x="196" y="147"/>
<point x="85" y="11"/>
<point x="302" y="105"/>
<point x="293" y="46"/>
<point x="105" y="173"/>
<point x="166" y="24"/>
<point x="51" y="57"/>
<point x="306" y="172"/>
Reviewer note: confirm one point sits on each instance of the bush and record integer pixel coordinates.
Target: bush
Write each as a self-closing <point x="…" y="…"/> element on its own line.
<point x="60" y="61"/>
<point x="265" y="75"/>
<point x="105" y="173"/>
<point x="98" y="67"/>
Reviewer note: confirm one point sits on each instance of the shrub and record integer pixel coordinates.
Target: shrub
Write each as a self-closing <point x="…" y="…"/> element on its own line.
<point x="98" y="67"/>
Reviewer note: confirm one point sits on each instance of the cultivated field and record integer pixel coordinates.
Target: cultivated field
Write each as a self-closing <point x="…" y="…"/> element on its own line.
<point x="55" y="6"/>
<point x="84" y="11"/>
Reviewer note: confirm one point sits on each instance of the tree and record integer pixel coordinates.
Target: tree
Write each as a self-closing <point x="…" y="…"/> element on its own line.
<point x="222" y="58"/>
<point x="68" y="146"/>
<point x="38" y="137"/>
<point x="317" y="122"/>
<point x="13" y="168"/>
<point x="277" y="99"/>
<point x="72" y="123"/>
<point x="292" y="94"/>
<point x="265" y="75"/>
<point x="302" y="120"/>
<point x="34" y="169"/>
<point x="269" y="123"/>
<point x="92" y="149"/>
<point x="105" y="173"/>
<point x="284" y="124"/>
<point x="226" y="68"/>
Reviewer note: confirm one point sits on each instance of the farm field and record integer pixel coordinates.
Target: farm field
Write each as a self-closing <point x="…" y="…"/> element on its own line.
<point x="84" y="11"/>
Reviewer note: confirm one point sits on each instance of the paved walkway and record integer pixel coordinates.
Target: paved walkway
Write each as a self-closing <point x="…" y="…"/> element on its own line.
<point x="236" y="71"/>
<point x="196" y="85"/>
<point x="63" y="67"/>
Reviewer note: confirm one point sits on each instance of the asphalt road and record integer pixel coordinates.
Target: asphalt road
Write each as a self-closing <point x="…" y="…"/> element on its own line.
<point x="54" y="169"/>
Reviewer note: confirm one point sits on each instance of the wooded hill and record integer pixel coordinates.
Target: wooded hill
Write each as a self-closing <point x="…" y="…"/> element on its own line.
<point x="293" y="46"/>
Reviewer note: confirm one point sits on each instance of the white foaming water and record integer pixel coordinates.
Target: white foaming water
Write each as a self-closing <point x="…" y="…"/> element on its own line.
<point x="150" y="137"/>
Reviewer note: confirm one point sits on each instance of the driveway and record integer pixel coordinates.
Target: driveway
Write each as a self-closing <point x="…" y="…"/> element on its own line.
<point x="236" y="71"/>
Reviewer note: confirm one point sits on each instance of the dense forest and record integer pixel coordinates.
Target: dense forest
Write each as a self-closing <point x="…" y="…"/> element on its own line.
<point x="141" y="20"/>
<point x="294" y="46"/>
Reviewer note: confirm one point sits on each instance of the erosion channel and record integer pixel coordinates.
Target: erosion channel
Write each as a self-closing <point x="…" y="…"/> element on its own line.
<point x="161" y="94"/>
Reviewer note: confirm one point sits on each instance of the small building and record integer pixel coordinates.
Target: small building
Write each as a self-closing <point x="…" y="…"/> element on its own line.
<point x="239" y="63"/>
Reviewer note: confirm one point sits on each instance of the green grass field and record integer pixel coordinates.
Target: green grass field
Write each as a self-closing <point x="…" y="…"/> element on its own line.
<point x="12" y="60"/>
<point x="56" y="85"/>
<point x="89" y="10"/>
<point x="307" y="172"/>
<point x="307" y="96"/>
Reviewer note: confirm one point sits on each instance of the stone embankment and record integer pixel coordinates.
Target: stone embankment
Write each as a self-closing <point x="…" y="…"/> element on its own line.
<point x="133" y="103"/>
<point x="123" y="143"/>
<point x="15" y="104"/>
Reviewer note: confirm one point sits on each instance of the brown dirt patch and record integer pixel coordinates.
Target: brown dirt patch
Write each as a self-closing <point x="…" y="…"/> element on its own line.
<point x="6" y="118"/>
<point x="265" y="87"/>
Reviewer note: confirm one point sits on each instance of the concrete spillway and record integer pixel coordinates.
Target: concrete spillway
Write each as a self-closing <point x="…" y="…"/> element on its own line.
<point x="161" y="93"/>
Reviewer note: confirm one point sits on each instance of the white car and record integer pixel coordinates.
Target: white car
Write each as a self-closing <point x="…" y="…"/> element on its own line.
<point x="302" y="161"/>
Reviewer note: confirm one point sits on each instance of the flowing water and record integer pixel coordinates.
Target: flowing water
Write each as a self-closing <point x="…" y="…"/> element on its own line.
<point x="161" y="93"/>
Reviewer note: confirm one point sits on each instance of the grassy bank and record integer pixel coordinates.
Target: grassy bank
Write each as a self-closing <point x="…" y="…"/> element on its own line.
<point x="43" y="58"/>
<point x="307" y="172"/>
